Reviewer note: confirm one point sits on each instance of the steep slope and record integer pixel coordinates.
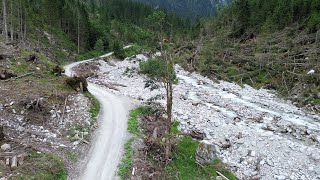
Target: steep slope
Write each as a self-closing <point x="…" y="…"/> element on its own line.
<point x="264" y="44"/>
<point x="188" y="8"/>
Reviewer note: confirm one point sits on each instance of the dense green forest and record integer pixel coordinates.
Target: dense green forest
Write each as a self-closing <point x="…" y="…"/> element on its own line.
<point x="90" y="25"/>
<point x="193" y="9"/>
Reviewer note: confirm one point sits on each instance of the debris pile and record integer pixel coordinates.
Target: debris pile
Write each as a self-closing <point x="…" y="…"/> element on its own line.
<point x="257" y="134"/>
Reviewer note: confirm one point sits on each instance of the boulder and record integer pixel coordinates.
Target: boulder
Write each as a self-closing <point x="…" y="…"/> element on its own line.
<point x="206" y="153"/>
<point x="5" y="147"/>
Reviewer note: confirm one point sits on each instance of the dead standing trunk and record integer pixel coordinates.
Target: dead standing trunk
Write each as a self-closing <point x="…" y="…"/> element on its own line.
<point x="11" y="19"/>
<point x="169" y="120"/>
<point x="5" y="26"/>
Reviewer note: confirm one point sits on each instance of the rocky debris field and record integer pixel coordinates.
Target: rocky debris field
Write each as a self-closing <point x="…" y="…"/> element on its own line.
<point x="257" y="134"/>
<point x="66" y="128"/>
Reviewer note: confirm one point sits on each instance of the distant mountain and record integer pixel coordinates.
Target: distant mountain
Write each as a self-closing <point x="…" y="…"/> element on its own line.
<point x="188" y="8"/>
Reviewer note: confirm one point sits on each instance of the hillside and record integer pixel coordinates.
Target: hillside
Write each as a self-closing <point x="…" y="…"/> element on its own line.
<point x="46" y="121"/>
<point x="189" y="8"/>
<point x="84" y="83"/>
<point x="264" y="44"/>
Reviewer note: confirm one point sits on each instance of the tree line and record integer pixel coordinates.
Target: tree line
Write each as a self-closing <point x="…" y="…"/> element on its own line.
<point x="88" y="23"/>
<point x="270" y="15"/>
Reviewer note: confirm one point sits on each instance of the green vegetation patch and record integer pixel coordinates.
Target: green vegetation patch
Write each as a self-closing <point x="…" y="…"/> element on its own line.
<point x="133" y="122"/>
<point x="133" y="50"/>
<point x="174" y="128"/>
<point x="90" y="55"/>
<point x="184" y="165"/>
<point x="42" y="166"/>
<point x="94" y="106"/>
<point x="133" y="128"/>
<point x="127" y="160"/>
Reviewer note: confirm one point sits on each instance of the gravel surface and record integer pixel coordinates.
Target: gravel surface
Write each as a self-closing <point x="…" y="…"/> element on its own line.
<point x="257" y="134"/>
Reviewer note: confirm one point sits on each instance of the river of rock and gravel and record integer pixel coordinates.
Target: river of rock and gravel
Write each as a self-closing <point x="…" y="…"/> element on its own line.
<point x="257" y="134"/>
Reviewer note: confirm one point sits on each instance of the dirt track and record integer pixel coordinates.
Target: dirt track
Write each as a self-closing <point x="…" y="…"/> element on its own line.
<point x="106" y="151"/>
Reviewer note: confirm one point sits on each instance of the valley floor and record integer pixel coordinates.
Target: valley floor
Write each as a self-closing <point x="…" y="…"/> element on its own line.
<point x="258" y="135"/>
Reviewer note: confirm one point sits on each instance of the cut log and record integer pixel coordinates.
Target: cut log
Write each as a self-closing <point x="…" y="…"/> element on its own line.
<point x="7" y="161"/>
<point x="21" y="159"/>
<point x="22" y="76"/>
<point x="14" y="162"/>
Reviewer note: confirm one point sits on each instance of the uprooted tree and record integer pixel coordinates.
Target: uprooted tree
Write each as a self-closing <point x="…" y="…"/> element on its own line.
<point x="161" y="70"/>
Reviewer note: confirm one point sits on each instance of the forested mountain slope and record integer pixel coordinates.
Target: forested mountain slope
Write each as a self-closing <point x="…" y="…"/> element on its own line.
<point x="189" y="8"/>
<point x="42" y="117"/>
<point x="272" y="44"/>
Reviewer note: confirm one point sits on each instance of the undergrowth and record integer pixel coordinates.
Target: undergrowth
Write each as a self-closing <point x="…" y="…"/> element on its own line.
<point x="127" y="161"/>
<point x="42" y="166"/>
<point x="94" y="106"/>
<point x="184" y="165"/>
<point x="133" y="128"/>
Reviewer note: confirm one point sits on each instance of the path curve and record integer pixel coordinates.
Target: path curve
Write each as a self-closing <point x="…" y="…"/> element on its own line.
<point x="107" y="146"/>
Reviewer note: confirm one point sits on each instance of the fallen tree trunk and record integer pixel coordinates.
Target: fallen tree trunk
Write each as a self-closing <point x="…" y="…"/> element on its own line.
<point x="18" y="77"/>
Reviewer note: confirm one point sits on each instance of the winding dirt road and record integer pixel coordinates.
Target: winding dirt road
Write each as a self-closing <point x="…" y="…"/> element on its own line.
<point x="107" y="147"/>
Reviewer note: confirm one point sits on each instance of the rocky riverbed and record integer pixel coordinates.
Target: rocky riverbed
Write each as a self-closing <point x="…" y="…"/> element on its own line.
<point x="257" y="134"/>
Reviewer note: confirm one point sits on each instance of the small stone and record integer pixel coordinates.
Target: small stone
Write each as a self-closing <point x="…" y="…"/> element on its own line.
<point x="281" y="177"/>
<point x="269" y="162"/>
<point x="5" y="147"/>
<point x="62" y="145"/>
<point x="240" y="141"/>
<point x="311" y="168"/>
<point x="292" y="177"/>
<point x="76" y="143"/>
<point x="315" y="157"/>
<point x="253" y="153"/>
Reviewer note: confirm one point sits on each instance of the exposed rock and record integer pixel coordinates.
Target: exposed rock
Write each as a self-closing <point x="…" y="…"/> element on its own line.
<point x="220" y="110"/>
<point x="5" y="147"/>
<point x="206" y="153"/>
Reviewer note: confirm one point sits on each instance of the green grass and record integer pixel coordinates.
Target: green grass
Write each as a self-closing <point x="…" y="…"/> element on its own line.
<point x="133" y="128"/>
<point x="127" y="161"/>
<point x="315" y="101"/>
<point x="72" y="156"/>
<point x="90" y="55"/>
<point x="42" y="166"/>
<point x="174" y="128"/>
<point x="133" y="123"/>
<point x="94" y="107"/>
<point x="184" y="166"/>
<point x="79" y="129"/>
<point x="133" y="50"/>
